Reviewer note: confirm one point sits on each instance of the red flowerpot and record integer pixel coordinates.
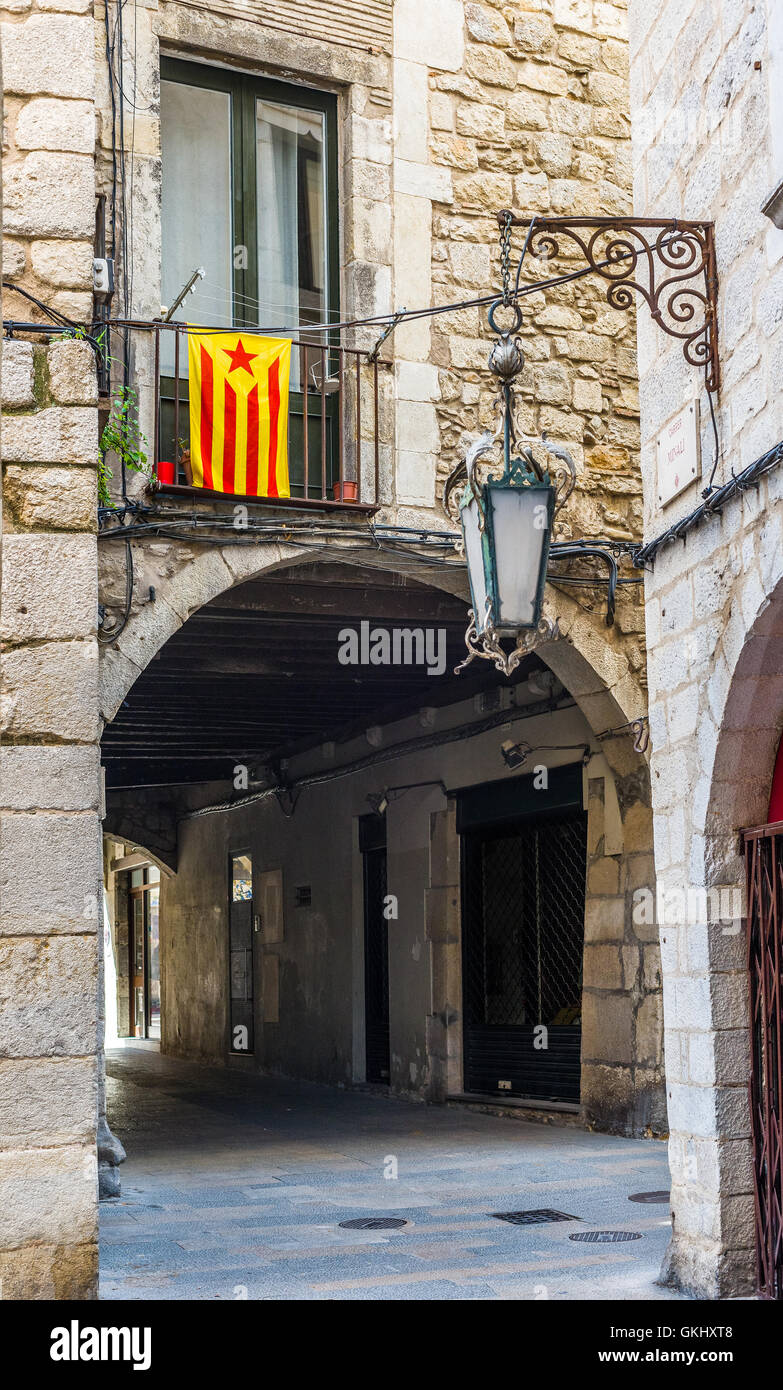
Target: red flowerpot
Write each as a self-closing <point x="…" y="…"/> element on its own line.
<point x="166" y="471"/>
<point x="344" y="492"/>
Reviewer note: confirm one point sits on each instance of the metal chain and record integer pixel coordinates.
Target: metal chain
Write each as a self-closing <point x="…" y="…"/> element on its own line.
<point x="505" y="258"/>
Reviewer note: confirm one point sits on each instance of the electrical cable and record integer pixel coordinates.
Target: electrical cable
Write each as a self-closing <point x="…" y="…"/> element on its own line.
<point x="106" y="637"/>
<point x="110" y="65"/>
<point x="46" y="308"/>
<point x="128" y="325"/>
<point x="398" y="750"/>
<point x="716" y="458"/>
<point x="712" y="505"/>
<point x="406" y="315"/>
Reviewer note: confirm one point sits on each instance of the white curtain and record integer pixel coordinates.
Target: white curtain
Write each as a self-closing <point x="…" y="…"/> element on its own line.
<point x="196" y="206"/>
<point x="289" y="149"/>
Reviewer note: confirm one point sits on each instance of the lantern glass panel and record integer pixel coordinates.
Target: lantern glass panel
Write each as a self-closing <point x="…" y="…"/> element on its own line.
<point x="520" y="518"/>
<point x="474" y="554"/>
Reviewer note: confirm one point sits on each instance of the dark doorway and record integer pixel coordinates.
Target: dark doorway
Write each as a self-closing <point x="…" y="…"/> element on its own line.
<point x="144" y="948"/>
<point x="523" y="901"/>
<point x="240" y="931"/>
<point x="372" y="843"/>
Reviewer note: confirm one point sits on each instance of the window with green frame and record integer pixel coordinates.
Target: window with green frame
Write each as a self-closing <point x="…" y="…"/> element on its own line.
<point x="249" y="192"/>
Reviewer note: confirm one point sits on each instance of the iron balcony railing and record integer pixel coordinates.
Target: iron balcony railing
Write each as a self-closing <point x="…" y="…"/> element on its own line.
<point x="334" y="425"/>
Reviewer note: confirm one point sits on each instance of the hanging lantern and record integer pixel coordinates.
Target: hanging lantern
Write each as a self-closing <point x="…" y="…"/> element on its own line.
<point x="506" y="522"/>
<point x="506" y="527"/>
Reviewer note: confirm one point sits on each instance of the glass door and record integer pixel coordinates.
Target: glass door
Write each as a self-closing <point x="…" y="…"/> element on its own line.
<point x="144" y="947"/>
<point x="240" y="947"/>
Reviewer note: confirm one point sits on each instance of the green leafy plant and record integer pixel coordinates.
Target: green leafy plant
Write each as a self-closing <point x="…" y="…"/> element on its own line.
<point x="122" y="437"/>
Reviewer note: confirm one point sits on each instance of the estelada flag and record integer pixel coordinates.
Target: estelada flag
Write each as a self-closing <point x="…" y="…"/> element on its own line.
<point x="239" y="413"/>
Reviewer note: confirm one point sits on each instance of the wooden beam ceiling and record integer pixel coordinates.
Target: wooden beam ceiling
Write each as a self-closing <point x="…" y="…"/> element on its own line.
<point x="254" y="676"/>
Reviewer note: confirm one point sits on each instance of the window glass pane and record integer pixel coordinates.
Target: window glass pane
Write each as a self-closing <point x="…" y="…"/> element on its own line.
<point x="138" y="936"/>
<point x="241" y="877"/>
<point x="196" y="206"/>
<point x="291" y="170"/>
<point x="137" y="878"/>
<point x="153" y="874"/>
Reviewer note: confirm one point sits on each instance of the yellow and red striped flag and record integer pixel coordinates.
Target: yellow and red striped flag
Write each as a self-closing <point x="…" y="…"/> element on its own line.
<point x="239" y="413"/>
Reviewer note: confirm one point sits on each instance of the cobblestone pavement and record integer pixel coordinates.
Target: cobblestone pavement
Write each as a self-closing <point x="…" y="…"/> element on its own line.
<point x="235" y="1186"/>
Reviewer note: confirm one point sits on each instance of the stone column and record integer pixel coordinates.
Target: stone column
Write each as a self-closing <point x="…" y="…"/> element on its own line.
<point x="50" y="874"/>
<point x="110" y="1151"/>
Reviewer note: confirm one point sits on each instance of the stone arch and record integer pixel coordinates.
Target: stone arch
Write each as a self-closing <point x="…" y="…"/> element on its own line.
<point x="595" y="671"/>
<point x="747" y="739"/>
<point x="713" y="1245"/>
<point x="622" y="1064"/>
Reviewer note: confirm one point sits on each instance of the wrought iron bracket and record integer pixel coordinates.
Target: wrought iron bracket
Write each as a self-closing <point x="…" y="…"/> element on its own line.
<point x="666" y="262"/>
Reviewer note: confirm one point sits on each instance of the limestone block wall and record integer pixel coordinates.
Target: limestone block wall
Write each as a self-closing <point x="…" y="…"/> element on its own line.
<point x="535" y="118"/>
<point x="48" y="154"/>
<point x="468" y="109"/>
<point x="50" y="863"/>
<point x="701" y="83"/>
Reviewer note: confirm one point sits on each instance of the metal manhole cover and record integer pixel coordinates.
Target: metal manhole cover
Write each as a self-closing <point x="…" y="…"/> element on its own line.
<point x="374" y="1223"/>
<point x="605" y="1237"/>
<point x="660" y="1198"/>
<point x="533" y="1218"/>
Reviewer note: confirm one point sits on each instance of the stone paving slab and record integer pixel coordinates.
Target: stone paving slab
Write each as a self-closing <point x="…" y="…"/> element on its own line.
<point x="235" y="1186"/>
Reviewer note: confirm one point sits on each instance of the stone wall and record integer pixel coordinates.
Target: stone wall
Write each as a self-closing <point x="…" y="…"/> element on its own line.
<point x="48" y="154"/>
<point x="476" y="108"/>
<point x="534" y="117"/>
<point x="701" y="77"/>
<point x="50" y="881"/>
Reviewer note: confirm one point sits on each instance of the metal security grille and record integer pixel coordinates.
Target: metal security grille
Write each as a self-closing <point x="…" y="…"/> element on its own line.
<point x="764" y="860"/>
<point x="541" y="1216"/>
<point x="523" y="925"/>
<point x="373" y="1223"/>
<point x="376" y="948"/>
<point x="605" y="1237"/>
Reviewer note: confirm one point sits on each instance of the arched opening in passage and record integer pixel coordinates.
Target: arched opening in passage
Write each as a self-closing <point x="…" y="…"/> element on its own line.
<point x="744" y="847"/>
<point x="379" y="872"/>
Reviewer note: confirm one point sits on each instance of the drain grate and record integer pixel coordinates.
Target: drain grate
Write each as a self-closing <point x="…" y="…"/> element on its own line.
<point x="605" y="1237"/>
<point x="532" y="1218"/>
<point x="374" y="1223"/>
<point x="660" y="1198"/>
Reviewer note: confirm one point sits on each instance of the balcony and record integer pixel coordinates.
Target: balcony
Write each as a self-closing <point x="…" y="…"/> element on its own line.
<point x="334" y="426"/>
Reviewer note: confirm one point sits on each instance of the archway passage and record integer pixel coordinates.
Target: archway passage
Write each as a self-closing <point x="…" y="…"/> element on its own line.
<point x="347" y="831"/>
<point x="255" y="675"/>
<point x="738" y="1026"/>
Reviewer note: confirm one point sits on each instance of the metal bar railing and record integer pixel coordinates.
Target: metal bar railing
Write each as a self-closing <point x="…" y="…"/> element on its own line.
<point x="324" y="369"/>
<point x="358" y="389"/>
<point x="341" y="414"/>
<point x="322" y="420"/>
<point x="305" y="421"/>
